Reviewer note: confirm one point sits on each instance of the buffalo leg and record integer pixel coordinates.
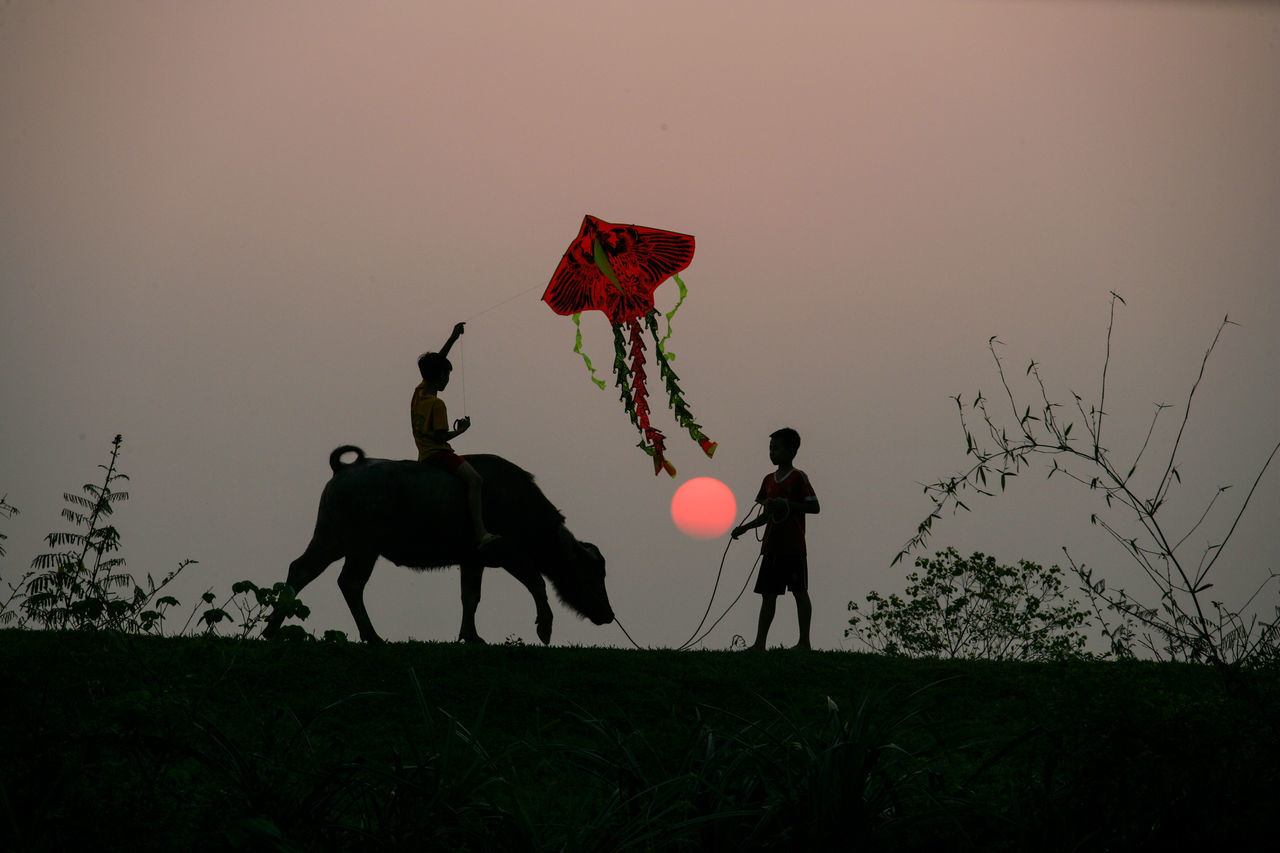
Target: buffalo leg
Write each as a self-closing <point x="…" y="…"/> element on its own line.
<point x="532" y="580"/>
<point x="355" y="574"/>
<point x="471" y="574"/>
<point x="302" y="571"/>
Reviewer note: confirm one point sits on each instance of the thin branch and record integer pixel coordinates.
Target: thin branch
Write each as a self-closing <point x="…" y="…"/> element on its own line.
<point x="1106" y="362"/>
<point x="1236" y="521"/>
<point x="1151" y="429"/>
<point x="1186" y="414"/>
<point x="1188" y="631"/>
<point x="991" y="345"/>
<point x="1203" y="515"/>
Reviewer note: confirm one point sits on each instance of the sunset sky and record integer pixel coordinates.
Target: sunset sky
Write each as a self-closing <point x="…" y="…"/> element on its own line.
<point x="228" y="229"/>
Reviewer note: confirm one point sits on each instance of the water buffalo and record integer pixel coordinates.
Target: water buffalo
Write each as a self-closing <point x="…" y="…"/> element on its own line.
<point x="416" y="516"/>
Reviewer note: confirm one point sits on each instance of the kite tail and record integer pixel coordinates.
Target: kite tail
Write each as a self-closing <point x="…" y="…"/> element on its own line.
<point x="654" y="442"/>
<point x="662" y="344"/>
<point x="623" y="373"/>
<point x="664" y="465"/>
<point x="577" y="347"/>
<point x="679" y="407"/>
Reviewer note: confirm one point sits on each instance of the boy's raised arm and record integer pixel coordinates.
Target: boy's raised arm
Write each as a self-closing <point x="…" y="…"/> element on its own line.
<point x="458" y="329"/>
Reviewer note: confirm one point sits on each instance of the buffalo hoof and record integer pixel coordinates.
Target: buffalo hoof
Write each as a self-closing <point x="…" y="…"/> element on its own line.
<point x="544" y="631"/>
<point x="473" y="639"/>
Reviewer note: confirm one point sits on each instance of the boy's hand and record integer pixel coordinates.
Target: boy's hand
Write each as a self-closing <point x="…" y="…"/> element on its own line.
<point x="738" y="531"/>
<point x="458" y="329"/>
<point x="461" y="425"/>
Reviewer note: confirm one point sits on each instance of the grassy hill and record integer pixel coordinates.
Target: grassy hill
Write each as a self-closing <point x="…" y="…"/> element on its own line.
<point x="151" y="743"/>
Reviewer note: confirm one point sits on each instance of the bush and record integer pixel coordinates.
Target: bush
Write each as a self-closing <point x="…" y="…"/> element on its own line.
<point x="975" y="608"/>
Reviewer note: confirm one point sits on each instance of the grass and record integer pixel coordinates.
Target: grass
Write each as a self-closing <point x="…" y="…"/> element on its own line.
<point x="203" y="743"/>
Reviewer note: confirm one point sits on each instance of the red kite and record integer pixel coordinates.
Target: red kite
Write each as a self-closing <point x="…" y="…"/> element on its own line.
<point x="615" y="269"/>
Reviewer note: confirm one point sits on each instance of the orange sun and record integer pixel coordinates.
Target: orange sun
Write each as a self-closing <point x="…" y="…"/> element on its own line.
<point x="703" y="508"/>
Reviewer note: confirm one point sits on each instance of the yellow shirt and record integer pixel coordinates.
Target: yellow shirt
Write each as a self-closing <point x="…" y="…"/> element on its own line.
<point x="428" y="415"/>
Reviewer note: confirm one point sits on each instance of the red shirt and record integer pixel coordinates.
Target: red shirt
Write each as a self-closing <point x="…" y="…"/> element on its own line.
<point x="785" y="537"/>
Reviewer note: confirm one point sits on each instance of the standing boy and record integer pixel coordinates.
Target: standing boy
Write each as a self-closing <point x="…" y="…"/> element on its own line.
<point x="430" y="421"/>
<point x="786" y="497"/>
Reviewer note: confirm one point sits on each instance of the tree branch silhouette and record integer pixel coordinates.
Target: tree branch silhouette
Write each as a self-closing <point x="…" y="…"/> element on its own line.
<point x="1185" y="626"/>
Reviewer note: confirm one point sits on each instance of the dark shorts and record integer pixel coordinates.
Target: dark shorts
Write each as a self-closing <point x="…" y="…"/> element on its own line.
<point x="446" y="460"/>
<point x="781" y="573"/>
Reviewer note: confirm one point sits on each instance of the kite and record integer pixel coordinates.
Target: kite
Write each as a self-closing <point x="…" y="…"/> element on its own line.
<point x="615" y="269"/>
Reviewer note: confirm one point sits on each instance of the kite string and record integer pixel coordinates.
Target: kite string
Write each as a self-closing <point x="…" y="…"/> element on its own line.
<point x="499" y="304"/>
<point x="462" y="373"/>
<point x="462" y="351"/>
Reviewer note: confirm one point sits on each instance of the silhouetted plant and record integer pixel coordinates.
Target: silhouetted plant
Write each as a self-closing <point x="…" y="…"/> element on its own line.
<point x="974" y="607"/>
<point x="82" y="584"/>
<point x="1183" y="624"/>
<point x="7" y="510"/>
<point x="74" y="587"/>
<point x="253" y="604"/>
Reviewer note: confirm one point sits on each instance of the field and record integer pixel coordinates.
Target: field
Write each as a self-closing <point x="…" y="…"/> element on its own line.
<point x="150" y="743"/>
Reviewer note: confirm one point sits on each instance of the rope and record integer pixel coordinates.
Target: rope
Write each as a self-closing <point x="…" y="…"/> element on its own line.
<point x="720" y="571"/>
<point x="624" y="630"/>
<point x="741" y="592"/>
<point x="695" y="638"/>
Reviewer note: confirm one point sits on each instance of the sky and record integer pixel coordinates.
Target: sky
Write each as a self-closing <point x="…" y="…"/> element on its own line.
<point x="227" y="231"/>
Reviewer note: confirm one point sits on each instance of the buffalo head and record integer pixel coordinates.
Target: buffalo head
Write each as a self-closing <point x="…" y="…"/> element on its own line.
<point x="577" y="574"/>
